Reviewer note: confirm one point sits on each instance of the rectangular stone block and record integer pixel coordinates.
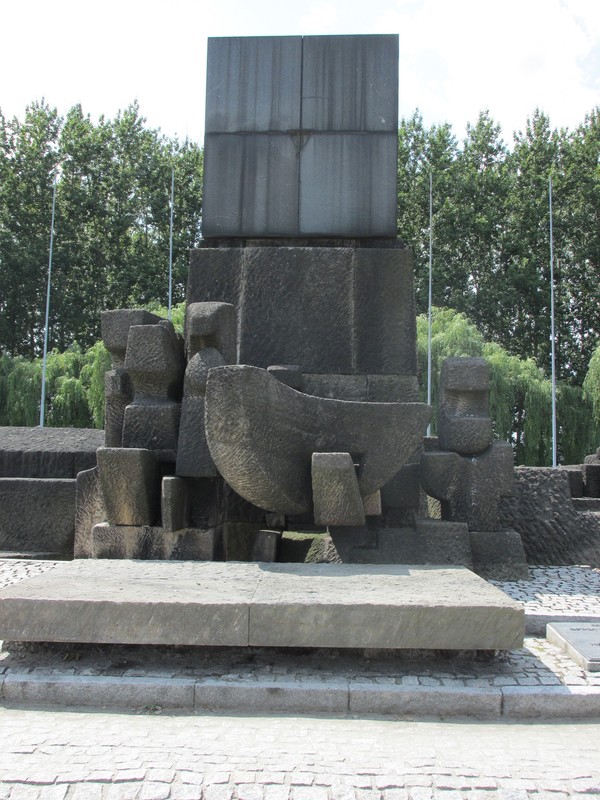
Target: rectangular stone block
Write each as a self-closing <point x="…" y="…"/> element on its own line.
<point x="281" y="605"/>
<point x="296" y="308"/>
<point x="89" y="511"/>
<point x="156" y="544"/>
<point x="250" y="185"/>
<point x="281" y="697"/>
<point x="420" y="701"/>
<point x="37" y="515"/>
<point x="350" y="83"/>
<point x="343" y="605"/>
<point x="385" y="315"/>
<point x="579" y="640"/>
<point x="93" y="691"/>
<point x="253" y="84"/>
<point x="47" y="452"/>
<point x="105" y="601"/>
<point x="339" y="312"/>
<point x="348" y="185"/>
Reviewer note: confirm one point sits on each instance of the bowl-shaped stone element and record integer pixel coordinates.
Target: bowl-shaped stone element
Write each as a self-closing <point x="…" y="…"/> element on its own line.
<point x="262" y="434"/>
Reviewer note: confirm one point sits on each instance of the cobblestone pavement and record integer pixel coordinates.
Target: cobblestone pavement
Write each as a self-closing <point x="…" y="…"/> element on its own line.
<point x="49" y="754"/>
<point x="54" y="755"/>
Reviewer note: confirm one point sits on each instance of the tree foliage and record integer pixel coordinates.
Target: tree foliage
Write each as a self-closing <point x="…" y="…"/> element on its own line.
<point x="520" y="394"/>
<point x="111" y="244"/>
<point x="491" y="232"/>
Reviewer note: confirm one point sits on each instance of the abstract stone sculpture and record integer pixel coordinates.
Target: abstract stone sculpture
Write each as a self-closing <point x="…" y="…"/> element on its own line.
<point x="262" y="435"/>
<point x="464" y="423"/>
<point x="336" y="496"/>
<point x="155" y="364"/>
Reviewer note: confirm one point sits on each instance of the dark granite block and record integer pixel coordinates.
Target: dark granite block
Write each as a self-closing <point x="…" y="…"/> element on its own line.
<point x="350" y="83"/>
<point x="250" y="185"/>
<point x="384" y="312"/>
<point x="348" y="185"/>
<point x="37" y="515"/>
<point x="89" y="511"/>
<point x="253" y="84"/>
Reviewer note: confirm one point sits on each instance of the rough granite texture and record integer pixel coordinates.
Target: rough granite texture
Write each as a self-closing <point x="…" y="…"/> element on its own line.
<point x="37" y="515"/>
<point x="130" y="485"/>
<point x="329" y="310"/>
<point x="262" y="435"/>
<point x="336" y="496"/>
<point x="542" y="511"/>
<point x="89" y="511"/>
<point x="464" y="424"/>
<point x="115" y="326"/>
<point x="282" y="605"/>
<point x="47" y="452"/>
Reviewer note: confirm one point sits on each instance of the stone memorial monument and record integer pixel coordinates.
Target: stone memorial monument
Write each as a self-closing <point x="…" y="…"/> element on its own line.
<point x="291" y="400"/>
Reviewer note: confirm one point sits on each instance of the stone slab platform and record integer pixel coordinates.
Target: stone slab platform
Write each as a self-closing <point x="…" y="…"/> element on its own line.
<point x="580" y="640"/>
<point x="262" y="605"/>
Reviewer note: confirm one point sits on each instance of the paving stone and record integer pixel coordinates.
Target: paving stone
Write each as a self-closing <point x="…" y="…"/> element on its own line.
<point x="154" y="791"/>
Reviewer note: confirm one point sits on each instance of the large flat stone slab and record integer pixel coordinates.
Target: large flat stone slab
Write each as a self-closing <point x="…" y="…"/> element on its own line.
<point x="47" y="452"/>
<point x="579" y="640"/>
<point x="281" y="605"/>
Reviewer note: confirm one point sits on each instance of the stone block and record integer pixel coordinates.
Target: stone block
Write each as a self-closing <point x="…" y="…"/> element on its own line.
<point x="384" y="606"/>
<point x="348" y="185"/>
<point x="372" y="504"/>
<point x="130" y="485"/>
<point x="153" y="426"/>
<point x="175" y="503"/>
<point x="99" y="692"/>
<point x="155" y="361"/>
<point x="384" y="313"/>
<point x="394" y="388"/>
<point x="541" y="510"/>
<point x="340" y="387"/>
<point x="403" y="490"/>
<point x="250" y="185"/>
<point x="148" y="543"/>
<point x="262" y="435"/>
<point x="424" y="701"/>
<point x="244" y="542"/>
<point x="336" y="496"/>
<point x="499" y="555"/>
<point x="89" y="511"/>
<point x="193" y="456"/>
<point x="350" y="83"/>
<point x="253" y="84"/>
<point x="211" y="325"/>
<point x="132" y="602"/>
<point x="470" y="489"/>
<point x="285" y="116"/>
<point x="262" y="605"/>
<point x="118" y="393"/>
<point x="115" y="326"/>
<point x="575" y="473"/>
<point x="464" y="423"/>
<point x="37" y="515"/>
<point x="276" y="697"/>
<point x="336" y="312"/>
<point x="579" y="640"/>
<point x="290" y="374"/>
<point x="591" y="479"/>
<point x="47" y="452"/>
<point x="430" y="542"/>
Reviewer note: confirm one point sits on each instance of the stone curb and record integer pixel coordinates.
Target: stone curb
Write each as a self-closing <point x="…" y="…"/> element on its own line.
<point x="306" y="697"/>
<point x="535" y="624"/>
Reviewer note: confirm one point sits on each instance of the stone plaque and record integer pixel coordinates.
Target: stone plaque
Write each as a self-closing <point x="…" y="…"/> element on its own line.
<point x="580" y="640"/>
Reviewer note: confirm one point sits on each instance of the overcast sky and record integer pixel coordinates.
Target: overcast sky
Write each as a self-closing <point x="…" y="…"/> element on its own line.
<point x="457" y="57"/>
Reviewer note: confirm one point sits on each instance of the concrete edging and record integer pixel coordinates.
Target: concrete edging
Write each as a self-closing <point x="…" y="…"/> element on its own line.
<point x="309" y="697"/>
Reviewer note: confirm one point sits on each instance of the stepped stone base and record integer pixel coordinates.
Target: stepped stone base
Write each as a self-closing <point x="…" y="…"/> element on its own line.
<point x="270" y="605"/>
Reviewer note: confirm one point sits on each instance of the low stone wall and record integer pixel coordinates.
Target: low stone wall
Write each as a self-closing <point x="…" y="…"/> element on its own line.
<point x="553" y="531"/>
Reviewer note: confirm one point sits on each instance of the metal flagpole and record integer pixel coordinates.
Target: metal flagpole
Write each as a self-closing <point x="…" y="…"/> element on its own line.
<point x="552" y="336"/>
<point x="429" y="316"/>
<point x="43" y="400"/>
<point x="171" y="243"/>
